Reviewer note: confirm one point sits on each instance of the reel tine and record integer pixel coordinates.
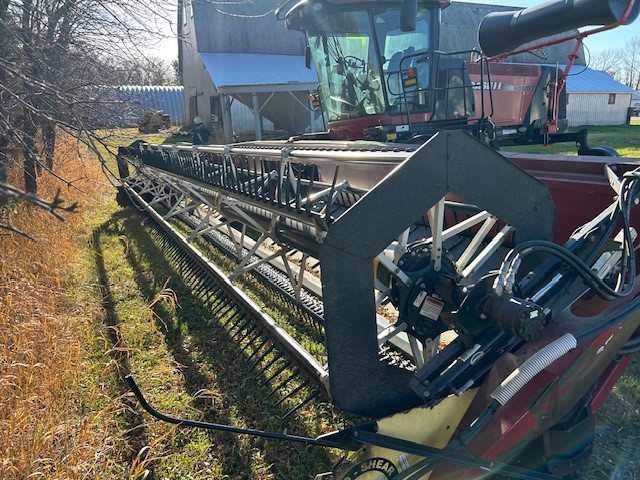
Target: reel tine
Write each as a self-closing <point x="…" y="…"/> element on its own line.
<point x="256" y="335"/>
<point x="254" y="180"/>
<point x="307" y="399"/>
<point x="234" y="320"/>
<point x="242" y="328"/>
<point x="286" y="365"/>
<point x="268" y="365"/>
<point x="282" y="384"/>
<point x="269" y="350"/>
<point x="248" y="331"/>
<point x="256" y="350"/>
<point x="292" y="393"/>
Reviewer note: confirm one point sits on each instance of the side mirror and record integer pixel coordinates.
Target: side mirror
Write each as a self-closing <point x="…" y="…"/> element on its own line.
<point x="307" y="57"/>
<point x="408" y="15"/>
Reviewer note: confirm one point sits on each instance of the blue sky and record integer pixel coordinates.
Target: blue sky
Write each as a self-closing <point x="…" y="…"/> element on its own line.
<point x="601" y="41"/>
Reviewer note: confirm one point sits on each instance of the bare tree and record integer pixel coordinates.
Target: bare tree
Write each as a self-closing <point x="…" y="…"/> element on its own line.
<point x="608" y="60"/>
<point x="631" y="63"/>
<point x="147" y="70"/>
<point x="56" y="56"/>
<point x="623" y="64"/>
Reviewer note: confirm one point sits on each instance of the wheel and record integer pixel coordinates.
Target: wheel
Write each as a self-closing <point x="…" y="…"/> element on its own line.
<point x="600" y="152"/>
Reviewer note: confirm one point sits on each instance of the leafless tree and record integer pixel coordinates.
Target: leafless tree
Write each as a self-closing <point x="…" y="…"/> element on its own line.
<point x="56" y="59"/>
<point x="631" y="63"/>
<point x="607" y="60"/>
<point x="623" y="64"/>
<point x="146" y="70"/>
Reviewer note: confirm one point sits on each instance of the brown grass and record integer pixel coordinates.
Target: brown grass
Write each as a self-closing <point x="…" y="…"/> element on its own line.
<point x="44" y="331"/>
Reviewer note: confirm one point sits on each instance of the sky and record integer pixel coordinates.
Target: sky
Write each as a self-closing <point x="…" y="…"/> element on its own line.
<point x="168" y="48"/>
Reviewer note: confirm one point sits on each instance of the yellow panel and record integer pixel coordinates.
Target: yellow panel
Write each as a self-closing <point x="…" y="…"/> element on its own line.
<point x="433" y="426"/>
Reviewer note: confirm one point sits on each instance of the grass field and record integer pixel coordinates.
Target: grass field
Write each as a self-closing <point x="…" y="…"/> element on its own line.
<point x="625" y="139"/>
<point x="93" y="298"/>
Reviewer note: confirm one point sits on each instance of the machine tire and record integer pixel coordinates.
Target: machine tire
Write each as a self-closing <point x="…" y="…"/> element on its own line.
<point x="600" y="152"/>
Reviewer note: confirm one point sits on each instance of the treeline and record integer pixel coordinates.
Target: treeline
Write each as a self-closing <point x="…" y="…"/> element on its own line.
<point x="57" y="59"/>
<point x="623" y="63"/>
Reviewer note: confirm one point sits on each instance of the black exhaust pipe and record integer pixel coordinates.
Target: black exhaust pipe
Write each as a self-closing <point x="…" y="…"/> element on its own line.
<point x="502" y="32"/>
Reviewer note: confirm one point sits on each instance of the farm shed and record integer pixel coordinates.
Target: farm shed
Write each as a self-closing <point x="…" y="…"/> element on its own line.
<point x="236" y="52"/>
<point x="152" y="98"/>
<point x="140" y="99"/>
<point x="594" y="98"/>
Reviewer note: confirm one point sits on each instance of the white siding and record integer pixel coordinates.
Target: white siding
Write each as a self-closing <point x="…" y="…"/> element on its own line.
<point x="594" y="109"/>
<point x="243" y="119"/>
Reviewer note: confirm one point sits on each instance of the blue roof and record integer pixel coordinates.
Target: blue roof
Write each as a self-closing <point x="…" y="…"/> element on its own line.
<point x="230" y="72"/>
<point x="586" y="80"/>
<point x="151" y="98"/>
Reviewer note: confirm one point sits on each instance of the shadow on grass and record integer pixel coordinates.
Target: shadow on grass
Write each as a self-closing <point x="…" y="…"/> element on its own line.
<point x="135" y="433"/>
<point x="212" y="360"/>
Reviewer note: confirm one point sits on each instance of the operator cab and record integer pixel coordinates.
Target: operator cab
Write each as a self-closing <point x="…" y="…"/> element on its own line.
<point x="378" y="80"/>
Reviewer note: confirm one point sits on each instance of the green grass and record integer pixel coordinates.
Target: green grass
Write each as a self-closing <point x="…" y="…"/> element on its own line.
<point x="616" y="454"/>
<point x="126" y="136"/>
<point x="188" y="367"/>
<point x="623" y="138"/>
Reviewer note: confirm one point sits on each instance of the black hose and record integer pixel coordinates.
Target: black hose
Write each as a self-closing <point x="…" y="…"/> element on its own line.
<point x="629" y="189"/>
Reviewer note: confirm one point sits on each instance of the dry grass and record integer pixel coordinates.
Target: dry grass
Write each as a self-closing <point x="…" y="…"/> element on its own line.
<point x="44" y="331"/>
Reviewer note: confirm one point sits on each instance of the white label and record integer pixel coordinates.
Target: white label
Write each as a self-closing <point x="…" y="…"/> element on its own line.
<point x="419" y="298"/>
<point x="431" y="308"/>
<point x="402" y="128"/>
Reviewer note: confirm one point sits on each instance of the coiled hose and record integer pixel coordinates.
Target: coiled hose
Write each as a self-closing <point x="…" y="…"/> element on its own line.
<point x="532" y="366"/>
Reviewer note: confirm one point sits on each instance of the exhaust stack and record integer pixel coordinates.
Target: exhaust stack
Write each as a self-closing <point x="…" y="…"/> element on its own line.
<point x="502" y="32"/>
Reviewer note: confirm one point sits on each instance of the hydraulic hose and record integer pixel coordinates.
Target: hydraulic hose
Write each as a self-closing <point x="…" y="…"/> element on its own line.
<point x="629" y="189"/>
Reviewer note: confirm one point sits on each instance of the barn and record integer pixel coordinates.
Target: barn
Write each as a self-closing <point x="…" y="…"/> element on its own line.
<point x="594" y="98"/>
<point x="242" y="70"/>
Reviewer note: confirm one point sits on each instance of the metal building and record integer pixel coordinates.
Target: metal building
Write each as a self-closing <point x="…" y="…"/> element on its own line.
<point x="594" y="98"/>
<point x="151" y="98"/>
<point x="237" y="52"/>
